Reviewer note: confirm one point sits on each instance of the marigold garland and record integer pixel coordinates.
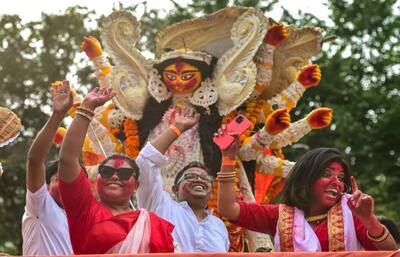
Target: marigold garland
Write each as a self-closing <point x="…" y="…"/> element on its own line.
<point x="253" y="112"/>
<point x="89" y="157"/>
<point x="132" y="141"/>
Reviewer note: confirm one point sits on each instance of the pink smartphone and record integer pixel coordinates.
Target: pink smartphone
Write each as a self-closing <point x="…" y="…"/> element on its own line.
<point x="239" y="125"/>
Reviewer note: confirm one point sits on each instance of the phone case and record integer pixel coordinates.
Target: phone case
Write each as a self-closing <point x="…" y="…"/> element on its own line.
<point x="239" y="125"/>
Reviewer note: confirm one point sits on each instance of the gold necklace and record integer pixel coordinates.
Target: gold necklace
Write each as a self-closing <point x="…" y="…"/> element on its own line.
<point x="317" y="218"/>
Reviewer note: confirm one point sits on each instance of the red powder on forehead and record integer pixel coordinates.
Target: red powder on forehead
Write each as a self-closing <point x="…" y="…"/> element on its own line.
<point x="336" y="166"/>
<point x="179" y="65"/>
<point x="118" y="162"/>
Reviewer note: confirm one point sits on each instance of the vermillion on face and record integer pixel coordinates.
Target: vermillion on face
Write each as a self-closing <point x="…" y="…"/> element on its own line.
<point x="197" y="188"/>
<point x="114" y="190"/>
<point x="329" y="188"/>
<point x="181" y="77"/>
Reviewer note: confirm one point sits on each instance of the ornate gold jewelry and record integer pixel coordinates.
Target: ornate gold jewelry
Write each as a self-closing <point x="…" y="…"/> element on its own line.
<point x="317" y="218"/>
<point x="85" y="115"/>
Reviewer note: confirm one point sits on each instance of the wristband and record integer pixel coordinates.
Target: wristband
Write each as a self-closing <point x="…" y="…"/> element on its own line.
<point x="226" y="161"/>
<point x="176" y="130"/>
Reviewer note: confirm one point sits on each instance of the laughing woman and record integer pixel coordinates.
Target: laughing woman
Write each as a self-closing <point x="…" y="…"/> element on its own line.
<point x="316" y="214"/>
<point x="106" y="225"/>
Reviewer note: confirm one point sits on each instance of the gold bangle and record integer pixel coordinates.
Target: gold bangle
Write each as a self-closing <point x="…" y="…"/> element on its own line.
<point x="225" y="180"/>
<point x="176" y="130"/>
<point x="85" y="110"/>
<point x="381" y="238"/>
<point x="84" y="115"/>
<point x="224" y="174"/>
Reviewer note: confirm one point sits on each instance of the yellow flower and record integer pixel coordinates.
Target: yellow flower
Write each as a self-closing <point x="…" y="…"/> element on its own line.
<point x="56" y="83"/>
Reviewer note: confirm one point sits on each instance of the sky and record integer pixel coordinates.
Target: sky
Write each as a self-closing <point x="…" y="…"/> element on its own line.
<point x="31" y="10"/>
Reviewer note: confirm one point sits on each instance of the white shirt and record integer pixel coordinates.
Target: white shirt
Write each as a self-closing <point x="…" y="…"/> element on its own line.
<point x="44" y="226"/>
<point x="207" y="235"/>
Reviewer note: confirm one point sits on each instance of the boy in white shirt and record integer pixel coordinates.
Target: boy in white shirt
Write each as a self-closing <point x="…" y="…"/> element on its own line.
<point x="44" y="223"/>
<point x="196" y="228"/>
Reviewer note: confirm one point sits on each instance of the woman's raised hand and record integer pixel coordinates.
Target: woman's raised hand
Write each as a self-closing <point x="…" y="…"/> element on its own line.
<point x="362" y="205"/>
<point x="97" y="97"/>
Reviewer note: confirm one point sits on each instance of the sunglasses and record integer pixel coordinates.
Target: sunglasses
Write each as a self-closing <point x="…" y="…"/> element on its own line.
<point x="122" y="173"/>
<point x="193" y="176"/>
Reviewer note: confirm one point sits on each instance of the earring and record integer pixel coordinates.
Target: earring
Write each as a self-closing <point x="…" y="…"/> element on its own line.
<point x="205" y="95"/>
<point x="157" y="88"/>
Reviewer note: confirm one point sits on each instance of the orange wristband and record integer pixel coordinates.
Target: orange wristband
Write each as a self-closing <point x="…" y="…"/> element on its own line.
<point x="228" y="162"/>
<point x="176" y="130"/>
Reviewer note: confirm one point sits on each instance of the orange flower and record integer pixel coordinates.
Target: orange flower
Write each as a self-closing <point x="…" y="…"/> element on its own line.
<point x="90" y="159"/>
<point x="91" y="46"/>
<point x="72" y="111"/>
<point x="106" y="70"/>
<point x="132" y="141"/>
<point x="59" y="137"/>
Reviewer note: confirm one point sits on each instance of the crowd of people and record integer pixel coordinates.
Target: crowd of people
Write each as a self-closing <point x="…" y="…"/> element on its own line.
<point x="322" y="207"/>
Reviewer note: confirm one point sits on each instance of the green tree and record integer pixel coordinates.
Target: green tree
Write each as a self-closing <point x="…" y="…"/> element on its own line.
<point x="32" y="55"/>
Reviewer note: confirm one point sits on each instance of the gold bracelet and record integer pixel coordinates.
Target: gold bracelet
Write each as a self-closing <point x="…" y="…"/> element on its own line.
<point x="84" y="115"/>
<point x="85" y="110"/>
<point x="225" y="180"/>
<point x="381" y="238"/>
<point x="226" y="174"/>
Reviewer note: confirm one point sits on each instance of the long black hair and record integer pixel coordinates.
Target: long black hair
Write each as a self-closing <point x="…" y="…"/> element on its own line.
<point x="209" y="122"/>
<point x="298" y="191"/>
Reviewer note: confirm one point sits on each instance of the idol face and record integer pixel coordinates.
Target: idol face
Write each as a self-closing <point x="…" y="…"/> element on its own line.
<point x="181" y="77"/>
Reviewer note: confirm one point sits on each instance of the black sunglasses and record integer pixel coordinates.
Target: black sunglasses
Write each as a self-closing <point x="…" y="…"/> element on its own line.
<point x="122" y="173"/>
